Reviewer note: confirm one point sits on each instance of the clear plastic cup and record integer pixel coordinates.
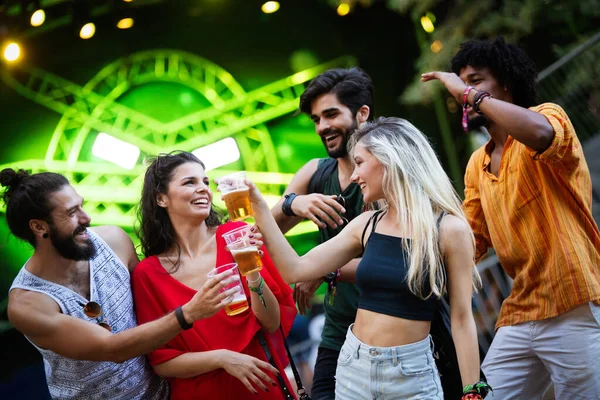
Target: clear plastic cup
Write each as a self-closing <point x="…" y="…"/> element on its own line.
<point x="236" y="195"/>
<point x="237" y="234"/>
<point x="246" y="256"/>
<point x="239" y="304"/>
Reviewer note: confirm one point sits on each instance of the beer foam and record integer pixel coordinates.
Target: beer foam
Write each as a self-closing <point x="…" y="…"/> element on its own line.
<point x="246" y="189"/>
<point x="249" y="249"/>
<point x="238" y="297"/>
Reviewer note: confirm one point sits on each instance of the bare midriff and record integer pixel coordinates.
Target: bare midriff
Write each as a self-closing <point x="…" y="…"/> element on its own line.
<point x="380" y="330"/>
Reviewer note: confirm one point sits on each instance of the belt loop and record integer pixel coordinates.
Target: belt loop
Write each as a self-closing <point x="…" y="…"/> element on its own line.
<point x="394" y="357"/>
<point x="356" y="353"/>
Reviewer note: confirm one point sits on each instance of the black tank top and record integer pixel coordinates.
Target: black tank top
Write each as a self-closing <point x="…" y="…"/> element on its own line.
<point x="381" y="277"/>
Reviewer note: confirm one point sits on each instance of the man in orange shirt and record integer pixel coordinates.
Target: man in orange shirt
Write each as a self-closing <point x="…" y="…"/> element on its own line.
<point x="528" y="195"/>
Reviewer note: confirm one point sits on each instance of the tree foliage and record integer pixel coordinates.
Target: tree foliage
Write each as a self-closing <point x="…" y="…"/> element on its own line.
<point x="547" y="29"/>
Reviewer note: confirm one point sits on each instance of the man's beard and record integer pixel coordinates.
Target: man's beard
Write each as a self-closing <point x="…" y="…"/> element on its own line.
<point x="476" y="122"/>
<point x="342" y="150"/>
<point x="69" y="248"/>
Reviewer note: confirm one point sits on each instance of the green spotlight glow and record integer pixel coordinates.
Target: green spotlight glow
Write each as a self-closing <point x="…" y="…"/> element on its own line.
<point x="217" y="154"/>
<point x="116" y="151"/>
<point x="303" y="59"/>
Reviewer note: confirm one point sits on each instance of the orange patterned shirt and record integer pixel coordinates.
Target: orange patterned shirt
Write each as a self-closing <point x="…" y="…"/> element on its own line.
<point x="537" y="215"/>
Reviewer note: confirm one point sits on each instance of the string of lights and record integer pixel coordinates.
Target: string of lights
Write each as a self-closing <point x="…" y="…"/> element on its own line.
<point x="23" y="19"/>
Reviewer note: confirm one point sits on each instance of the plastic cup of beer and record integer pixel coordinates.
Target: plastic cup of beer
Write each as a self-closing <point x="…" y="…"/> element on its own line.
<point x="236" y="234"/>
<point x="246" y="256"/>
<point x="236" y="195"/>
<point x="239" y="304"/>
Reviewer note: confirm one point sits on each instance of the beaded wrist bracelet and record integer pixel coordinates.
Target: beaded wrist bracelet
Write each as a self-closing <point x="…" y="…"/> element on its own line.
<point x="480" y="389"/>
<point x="479" y="97"/>
<point x="258" y="290"/>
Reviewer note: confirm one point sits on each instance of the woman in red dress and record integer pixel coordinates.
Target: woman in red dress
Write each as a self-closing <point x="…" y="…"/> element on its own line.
<point x="219" y="357"/>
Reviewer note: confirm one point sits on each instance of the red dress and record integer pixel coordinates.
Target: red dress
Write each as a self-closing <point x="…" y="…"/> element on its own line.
<point x="157" y="293"/>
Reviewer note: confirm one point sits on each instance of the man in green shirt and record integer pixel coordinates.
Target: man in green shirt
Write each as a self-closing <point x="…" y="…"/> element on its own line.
<point x="337" y="101"/>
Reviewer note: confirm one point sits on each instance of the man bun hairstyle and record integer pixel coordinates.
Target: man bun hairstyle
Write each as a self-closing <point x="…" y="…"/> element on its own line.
<point x="27" y="197"/>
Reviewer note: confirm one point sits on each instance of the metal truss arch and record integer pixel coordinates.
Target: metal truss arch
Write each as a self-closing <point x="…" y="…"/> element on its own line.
<point x="94" y="107"/>
<point x="206" y="78"/>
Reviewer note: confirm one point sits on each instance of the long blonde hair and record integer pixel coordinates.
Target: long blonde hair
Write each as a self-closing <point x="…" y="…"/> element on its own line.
<point x="416" y="185"/>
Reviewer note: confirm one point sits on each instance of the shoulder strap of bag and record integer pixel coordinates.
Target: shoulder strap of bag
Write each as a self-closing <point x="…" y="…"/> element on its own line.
<point x="287" y="394"/>
<point x="303" y="395"/>
<point x="324" y="170"/>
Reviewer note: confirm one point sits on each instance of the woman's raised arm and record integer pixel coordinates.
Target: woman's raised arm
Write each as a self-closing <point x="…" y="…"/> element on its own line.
<point x="321" y="260"/>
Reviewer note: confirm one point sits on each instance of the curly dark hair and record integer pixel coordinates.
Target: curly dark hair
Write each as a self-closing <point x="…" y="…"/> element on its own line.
<point x="155" y="229"/>
<point x="27" y="197"/>
<point x="508" y="63"/>
<point x="353" y="88"/>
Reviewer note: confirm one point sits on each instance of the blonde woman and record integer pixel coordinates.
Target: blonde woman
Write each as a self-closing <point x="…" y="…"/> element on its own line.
<point x="417" y="248"/>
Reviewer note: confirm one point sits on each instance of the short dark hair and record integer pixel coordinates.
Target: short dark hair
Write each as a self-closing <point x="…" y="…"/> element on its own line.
<point x="27" y="197"/>
<point x="508" y="63"/>
<point x="155" y="229"/>
<point x="352" y="86"/>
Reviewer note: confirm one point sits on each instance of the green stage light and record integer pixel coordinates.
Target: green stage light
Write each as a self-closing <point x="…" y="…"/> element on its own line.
<point x="150" y="115"/>
<point x="217" y="154"/>
<point x="303" y="59"/>
<point x="116" y="151"/>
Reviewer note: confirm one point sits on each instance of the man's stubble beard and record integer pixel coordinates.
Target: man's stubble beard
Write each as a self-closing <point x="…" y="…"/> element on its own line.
<point x="342" y="150"/>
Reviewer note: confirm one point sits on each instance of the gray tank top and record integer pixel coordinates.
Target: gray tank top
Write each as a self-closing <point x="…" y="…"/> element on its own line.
<point x="74" y="379"/>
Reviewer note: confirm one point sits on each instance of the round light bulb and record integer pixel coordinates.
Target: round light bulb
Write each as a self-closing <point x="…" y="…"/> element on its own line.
<point x="38" y="18"/>
<point x="12" y="52"/>
<point x="87" y="31"/>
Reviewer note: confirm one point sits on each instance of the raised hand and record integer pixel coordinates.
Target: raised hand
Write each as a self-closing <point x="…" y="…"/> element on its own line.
<point x="249" y="370"/>
<point x="453" y="83"/>
<point x="320" y="209"/>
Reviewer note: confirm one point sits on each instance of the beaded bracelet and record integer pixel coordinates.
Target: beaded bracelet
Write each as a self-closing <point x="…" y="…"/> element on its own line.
<point x="480" y="388"/>
<point x="479" y="97"/>
<point x="258" y="290"/>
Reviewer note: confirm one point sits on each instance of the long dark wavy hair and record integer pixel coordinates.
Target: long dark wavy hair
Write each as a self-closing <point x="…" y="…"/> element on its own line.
<point x="155" y="229"/>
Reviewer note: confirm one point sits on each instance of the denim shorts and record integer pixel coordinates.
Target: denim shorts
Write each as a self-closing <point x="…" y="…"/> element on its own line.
<point x="387" y="373"/>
